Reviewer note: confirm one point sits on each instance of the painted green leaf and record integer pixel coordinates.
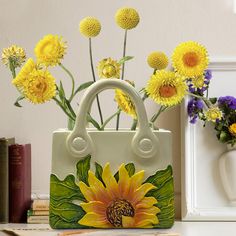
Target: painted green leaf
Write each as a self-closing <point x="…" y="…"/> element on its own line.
<point x="64" y="189"/>
<point x="83" y="167"/>
<point x="129" y="167"/>
<point x="98" y="171"/>
<point x="164" y="193"/>
<point x="66" y="216"/>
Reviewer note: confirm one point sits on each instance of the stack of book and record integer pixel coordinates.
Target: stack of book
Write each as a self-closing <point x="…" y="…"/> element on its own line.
<point x="15" y="181"/>
<point x="39" y="212"/>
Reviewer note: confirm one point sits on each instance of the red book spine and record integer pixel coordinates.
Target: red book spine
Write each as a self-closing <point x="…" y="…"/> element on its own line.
<point x="19" y="182"/>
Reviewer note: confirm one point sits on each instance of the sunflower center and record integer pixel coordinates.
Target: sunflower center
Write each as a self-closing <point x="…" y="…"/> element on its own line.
<point x="109" y="70"/>
<point x="190" y="59"/>
<point x="117" y="209"/>
<point x="167" y="91"/>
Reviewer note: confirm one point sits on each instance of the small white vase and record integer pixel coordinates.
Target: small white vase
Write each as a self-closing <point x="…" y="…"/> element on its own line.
<point x="227" y="167"/>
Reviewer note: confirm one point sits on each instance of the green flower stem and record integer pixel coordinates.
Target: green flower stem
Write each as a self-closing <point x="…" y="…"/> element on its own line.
<point x="63" y="108"/>
<point x="207" y="102"/>
<point x="72" y="80"/>
<point x="12" y="69"/>
<point x="155" y="116"/>
<point x="122" y="75"/>
<point x="94" y="79"/>
<point x="110" y="118"/>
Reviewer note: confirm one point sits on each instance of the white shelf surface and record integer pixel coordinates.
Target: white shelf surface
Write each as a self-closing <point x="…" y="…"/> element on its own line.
<point x="182" y="228"/>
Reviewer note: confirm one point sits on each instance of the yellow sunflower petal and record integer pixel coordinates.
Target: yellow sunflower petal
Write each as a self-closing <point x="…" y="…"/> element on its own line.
<point x="146" y="202"/>
<point x="94" y="206"/>
<point x="128" y="222"/>
<point x="136" y="180"/>
<point x="142" y="191"/>
<point x="151" y="210"/>
<point x="110" y="181"/>
<point x="87" y="192"/>
<point x="124" y="181"/>
<point x="95" y="220"/>
<point x="143" y="219"/>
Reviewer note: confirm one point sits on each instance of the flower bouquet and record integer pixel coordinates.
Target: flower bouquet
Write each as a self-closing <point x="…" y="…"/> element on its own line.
<point x="111" y="178"/>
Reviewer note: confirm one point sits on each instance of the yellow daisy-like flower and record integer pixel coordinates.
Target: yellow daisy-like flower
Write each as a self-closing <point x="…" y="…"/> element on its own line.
<point x="157" y="60"/>
<point x="118" y="204"/>
<point x="50" y="50"/>
<point x="198" y="82"/>
<point x="39" y="87"/>
<point x="125" y="103"/>
<point x="14" y="54"/>
<point x="166" y="88"/>
<point x="213" y="114"/>
<point x="90" y="27"/>
<point x="232" y="129"/>
<point x="127" y="18"/>
<point x="108" y="68"/>
<point x="190" y="59"/>
<point x="24" y="73"/>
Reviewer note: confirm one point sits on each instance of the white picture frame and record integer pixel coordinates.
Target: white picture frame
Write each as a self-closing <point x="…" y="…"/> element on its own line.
<point x="203" y="197"/>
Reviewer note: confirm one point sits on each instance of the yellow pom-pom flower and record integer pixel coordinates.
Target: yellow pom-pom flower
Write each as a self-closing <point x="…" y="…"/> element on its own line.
<point x="157" y="60"/>
<point x="232" y="129"/>
<point x="24" y="73"/>
<point x="166" y="88"/>
<point x="190" y="59"/>
<point x="213" y="114"/>
<point x="124" y="102"/>
<point x="14" y="55"/>
<point x="50" y="50"/>
<point x="108" y="68"/>
<point x="90" y="27"/>
<point x="127" y="18"/>
<point x="39" y="87"/>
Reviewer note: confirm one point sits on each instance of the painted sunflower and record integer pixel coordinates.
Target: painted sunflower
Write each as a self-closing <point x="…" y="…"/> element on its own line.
<point x="111" y="203"/>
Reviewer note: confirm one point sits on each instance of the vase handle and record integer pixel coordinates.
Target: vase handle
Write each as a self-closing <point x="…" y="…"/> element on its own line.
<point x="80" y="144"/>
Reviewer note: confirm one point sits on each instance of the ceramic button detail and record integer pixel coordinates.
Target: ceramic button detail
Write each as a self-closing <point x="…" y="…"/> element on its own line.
<point x="145" y="144"/>
<point x="79" y="144"/>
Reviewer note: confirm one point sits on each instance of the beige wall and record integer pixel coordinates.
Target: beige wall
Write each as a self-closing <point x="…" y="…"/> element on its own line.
<point x="164" y="24"/>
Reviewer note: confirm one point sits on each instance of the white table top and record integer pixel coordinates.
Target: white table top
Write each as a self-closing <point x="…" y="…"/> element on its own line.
<point x="182" y="228"/>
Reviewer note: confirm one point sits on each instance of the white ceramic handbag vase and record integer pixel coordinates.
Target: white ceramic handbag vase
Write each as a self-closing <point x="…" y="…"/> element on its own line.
<point x="111" y="179"/>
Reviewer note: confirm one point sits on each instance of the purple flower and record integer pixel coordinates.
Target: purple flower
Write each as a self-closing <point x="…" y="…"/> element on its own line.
<point x="228" y="101"/>
<point x="208" y="74"/>
<point x="193" y="108"/>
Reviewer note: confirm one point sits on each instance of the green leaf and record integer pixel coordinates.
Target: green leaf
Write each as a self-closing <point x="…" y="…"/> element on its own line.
<point x="124" y="59"/>
<point x="98" y="172"/>
<point x="83" y="86"/>
<point x="213" y="100"/>
<point x="164" y="193"/>
<point x="83" y="167"/>
<point x="224" y="137"/>
<point x="93" y="122"/>
<point x="66" y="215"/>
<point x="130" y="169"/>
<point x="17" y="104"/>
<point x="64" y="190"/>
<point x="61" y="92"/>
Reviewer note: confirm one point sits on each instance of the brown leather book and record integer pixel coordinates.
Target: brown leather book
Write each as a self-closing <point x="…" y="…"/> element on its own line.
<point x="19" y="182"/>
<point x="4" y="178"/>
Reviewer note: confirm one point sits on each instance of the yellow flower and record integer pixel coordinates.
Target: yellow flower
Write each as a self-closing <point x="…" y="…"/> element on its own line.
<point x="213" y="114"/>
<point x="50" y="50"/>
<point x="198" y="82"/>
<point x="232" y="129"/>
<point x="190" y="59"/>
<point x="157" y="60"/>
<point x="90" y="27"/>
<point x="127" y="18"/>
<point x="108" y="68"/>
<point x="24" y="73"/>
<point x="39" y="87"/>
<point x="118" y="204"/>
<point x="15" y="55"/>
<point x="166" y="88"/>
